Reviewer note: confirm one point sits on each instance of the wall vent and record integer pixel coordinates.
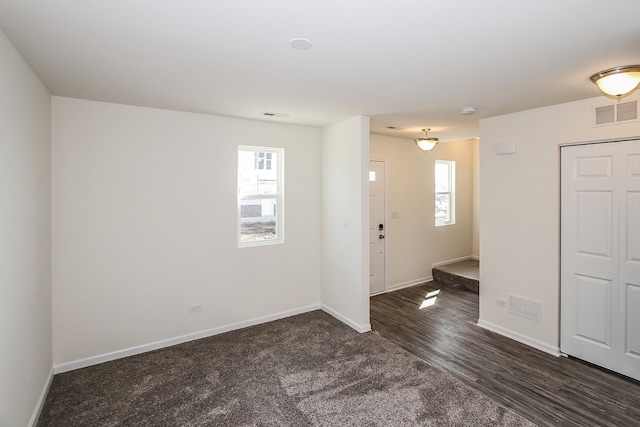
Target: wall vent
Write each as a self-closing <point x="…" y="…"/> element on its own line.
<point x="524" y="307"/>
<point x="627" y="111"/>
<point x="611" y="114"/>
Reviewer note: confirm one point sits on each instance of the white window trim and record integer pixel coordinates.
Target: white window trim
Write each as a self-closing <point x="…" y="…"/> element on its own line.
<point x="452" y="193"/>
<point x="278" y="197"/>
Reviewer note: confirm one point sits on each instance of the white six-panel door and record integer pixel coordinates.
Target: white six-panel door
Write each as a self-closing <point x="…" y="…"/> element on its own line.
<point x="629" y="273"/>
<point x="600" y="255"/>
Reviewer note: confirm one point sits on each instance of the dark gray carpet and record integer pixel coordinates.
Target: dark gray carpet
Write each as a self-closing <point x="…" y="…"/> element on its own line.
<point x="306" y="370"/>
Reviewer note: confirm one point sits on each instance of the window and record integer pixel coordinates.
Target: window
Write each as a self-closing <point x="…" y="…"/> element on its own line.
<point x="260" y="196"/>
<point x="445" y="179"/>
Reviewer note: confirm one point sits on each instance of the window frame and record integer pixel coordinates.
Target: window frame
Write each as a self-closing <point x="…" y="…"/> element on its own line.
<point x="278" y="196"/>
<point x="451" y="166"/>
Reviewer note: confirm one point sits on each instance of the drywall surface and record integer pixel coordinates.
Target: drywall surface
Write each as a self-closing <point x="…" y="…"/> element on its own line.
<point x="345" y="221"/>
<point x="413" y="242"/>
<point x="520" y="211"/>
<point x="25" y="238"/>
<point x="475" y="240"/>
<point x="145" y="227"/>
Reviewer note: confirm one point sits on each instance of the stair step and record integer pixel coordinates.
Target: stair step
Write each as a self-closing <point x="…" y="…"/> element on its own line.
<point x="463" y="274"/>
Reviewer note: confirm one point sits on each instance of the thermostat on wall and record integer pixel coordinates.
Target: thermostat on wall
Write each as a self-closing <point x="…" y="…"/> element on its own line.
<point x="506" y="148"/>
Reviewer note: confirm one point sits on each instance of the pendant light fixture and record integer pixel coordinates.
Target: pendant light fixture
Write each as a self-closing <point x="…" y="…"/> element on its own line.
<point x="426" y="143"/>
<point x="618" y="81"/>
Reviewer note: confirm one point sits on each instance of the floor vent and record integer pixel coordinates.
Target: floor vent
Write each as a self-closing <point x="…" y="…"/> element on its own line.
<point x="622" y="112"/>
<point x="524" y="307"/>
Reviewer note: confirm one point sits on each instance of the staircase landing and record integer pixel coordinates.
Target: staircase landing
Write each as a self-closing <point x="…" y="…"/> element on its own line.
<point x="464" y="274"/>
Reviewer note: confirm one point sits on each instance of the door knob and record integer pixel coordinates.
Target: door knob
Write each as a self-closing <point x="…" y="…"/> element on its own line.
<point x="381" y="236"/>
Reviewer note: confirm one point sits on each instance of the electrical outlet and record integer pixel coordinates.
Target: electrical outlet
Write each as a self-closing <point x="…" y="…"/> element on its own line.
<point x="195" y="307"/>
<point x="501" y="302"/>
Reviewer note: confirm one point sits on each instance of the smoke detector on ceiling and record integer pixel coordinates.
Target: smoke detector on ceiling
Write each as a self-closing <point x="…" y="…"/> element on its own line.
<point x="301" y="44"/>
<point x="469" y="110"/>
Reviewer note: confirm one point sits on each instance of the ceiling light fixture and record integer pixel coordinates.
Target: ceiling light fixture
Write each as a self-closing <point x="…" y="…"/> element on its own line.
<point x="618" y="81"/>
<point x="426" y="143"/>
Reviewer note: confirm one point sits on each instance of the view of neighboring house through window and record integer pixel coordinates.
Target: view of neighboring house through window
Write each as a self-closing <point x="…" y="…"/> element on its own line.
<point x="263" y="160"/>
<point x="445" y="178"/>
<point x="260" y="195"/>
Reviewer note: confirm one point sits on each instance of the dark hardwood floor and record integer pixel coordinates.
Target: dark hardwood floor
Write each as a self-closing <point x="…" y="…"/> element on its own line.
<point x="545" y="389"/>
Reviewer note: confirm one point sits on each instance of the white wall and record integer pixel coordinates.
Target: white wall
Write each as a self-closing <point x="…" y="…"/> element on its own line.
<point x="345" y="221"/>
<point x="144" y="220"/>
<point x="25" y="239"/>
<point x="475" y="238"/>
<point x="520" y="212"/>
<point x="413" y="242"/>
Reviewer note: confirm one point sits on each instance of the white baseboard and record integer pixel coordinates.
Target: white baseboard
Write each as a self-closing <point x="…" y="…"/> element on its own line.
<point x="552" y="350"/>
<point x="451" y="261"/>
<point x="475" y="257"/>
<point x="410" y="283"/>
<point x="41" y="399"/>
<point x="346" y="320"/>
<point x="119" y="354"/>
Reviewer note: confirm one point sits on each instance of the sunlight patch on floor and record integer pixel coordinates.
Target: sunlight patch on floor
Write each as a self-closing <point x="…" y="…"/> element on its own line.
<point x="430" y="299"/>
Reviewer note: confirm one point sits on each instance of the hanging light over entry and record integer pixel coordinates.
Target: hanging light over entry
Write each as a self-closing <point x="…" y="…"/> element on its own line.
<point x="426" y="143"/>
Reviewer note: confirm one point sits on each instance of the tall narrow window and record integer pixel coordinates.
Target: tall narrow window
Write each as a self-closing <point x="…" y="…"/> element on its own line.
<point x="260" y="196"/>
<point x="445" y="178"/>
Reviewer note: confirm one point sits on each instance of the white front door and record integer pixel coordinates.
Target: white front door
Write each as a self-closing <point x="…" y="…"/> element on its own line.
<point x="376" y="227"/>
<point x="600" y="253"/>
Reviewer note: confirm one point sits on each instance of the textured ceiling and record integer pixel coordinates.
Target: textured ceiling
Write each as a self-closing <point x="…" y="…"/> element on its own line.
<point x="407" y="64"/>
